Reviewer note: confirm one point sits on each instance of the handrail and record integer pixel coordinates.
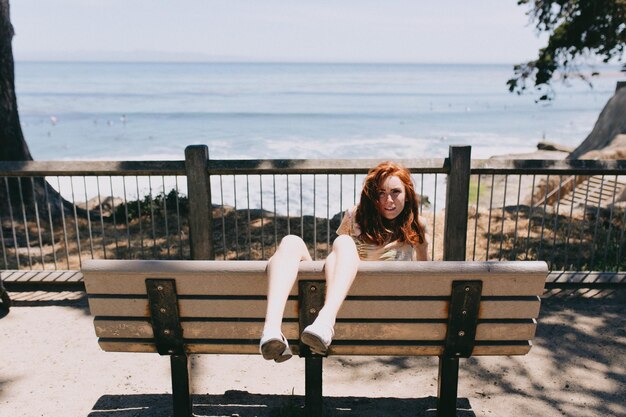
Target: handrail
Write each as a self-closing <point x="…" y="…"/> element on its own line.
<point x="309" y="166"/>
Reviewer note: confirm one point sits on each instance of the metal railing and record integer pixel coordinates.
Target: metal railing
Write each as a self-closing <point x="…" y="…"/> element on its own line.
<point x="566" y="213"/>
<point x="240" y="209"/>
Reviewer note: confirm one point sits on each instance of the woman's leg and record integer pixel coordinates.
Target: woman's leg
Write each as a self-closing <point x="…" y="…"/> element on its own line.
<point x="282" y="272"/>
<point x="341" y="268"/>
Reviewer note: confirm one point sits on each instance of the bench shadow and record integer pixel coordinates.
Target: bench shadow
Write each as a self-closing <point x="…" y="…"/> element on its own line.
<point x="245" y="404"/>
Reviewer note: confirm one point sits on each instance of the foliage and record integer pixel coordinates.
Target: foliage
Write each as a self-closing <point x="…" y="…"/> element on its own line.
<point x="153" y="205"/>
<point x="579" y="30"/>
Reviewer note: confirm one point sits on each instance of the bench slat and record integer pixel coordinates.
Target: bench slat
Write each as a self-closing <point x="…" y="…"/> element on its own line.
<point x="415" y="285"/>
<point x="351" y="309"/>
<point x="520" y="348"/>
<point x="365" y="331"/>
<point x="248" y="277"/>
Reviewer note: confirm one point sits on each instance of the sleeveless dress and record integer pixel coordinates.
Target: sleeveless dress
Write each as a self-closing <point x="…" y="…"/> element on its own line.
<point x="391" y="251"/>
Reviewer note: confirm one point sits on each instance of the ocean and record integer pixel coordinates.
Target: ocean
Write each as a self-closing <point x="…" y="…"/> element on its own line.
<point x="145" y="111"/>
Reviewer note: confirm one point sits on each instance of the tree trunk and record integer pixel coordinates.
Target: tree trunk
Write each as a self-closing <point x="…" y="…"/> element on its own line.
<point x="13" y="146"/>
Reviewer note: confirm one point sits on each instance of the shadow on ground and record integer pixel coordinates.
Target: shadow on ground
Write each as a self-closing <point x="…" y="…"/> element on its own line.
<point x="244" y="404"/>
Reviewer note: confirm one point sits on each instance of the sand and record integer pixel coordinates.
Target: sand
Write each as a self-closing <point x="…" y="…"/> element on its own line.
<point x="52" y="366"/>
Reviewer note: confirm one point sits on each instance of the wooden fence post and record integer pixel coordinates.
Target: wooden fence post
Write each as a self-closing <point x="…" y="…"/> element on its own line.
<point x="200" y="208"/>
<point x="457" y="200"/>
<point x="454" y="241"/>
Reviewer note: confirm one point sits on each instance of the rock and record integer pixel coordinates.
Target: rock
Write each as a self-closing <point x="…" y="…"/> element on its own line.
<point x="551" y="146"/>
<point x="616" y="149"/>
<point x="610" y="123"/>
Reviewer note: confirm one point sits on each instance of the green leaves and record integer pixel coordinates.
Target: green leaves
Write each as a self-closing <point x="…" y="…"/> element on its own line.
<point x="579" y="31"/>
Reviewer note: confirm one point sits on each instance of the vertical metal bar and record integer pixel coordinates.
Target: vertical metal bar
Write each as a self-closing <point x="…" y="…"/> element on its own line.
<point x="104" y="246"/>
<point x="519" y="191"/>
<point x="543" y="220"/>
<point x="327" y="214"/>
<point x="447" y="388"/>
<point x="582" y="228"/>
<point x="506" y="182"/>
<point x="493" y="178"/>
<point x="19" y="186"/>
<point x="314" y="219"/>
<point x="569" y="225"/>
<point x="621" y="242"/>
<point x="313" y="399"/>
<point x="422" y="194"/>
<point x="32" y="183"/>
<point x="530" y="217"/>
<point x="301" y="211"/>
<point x="595" y="229"/>
<point x="129" y="255"/>
<point x="275" y="215"/>
<point x="67" y="246"/>
<point x="15" y="245"/>
<point x="556" y="223"/>
<point x="181" y="386"/>
<point x="88" y="217"/>
<point x="354" y="190"/>
<point x="262" y="225"/>
<point x="113" y="210"/>
<point x="178" y="221"/>
<point x="288" y="213"/>
<point x="140" y="215"/>
<point x="434" y="234"/>
<point x="49" y="206"/>
<point x="248" y="230"/>
<point x="341" y="196"/>
<point x="476" y="218"/>
<point x="80" y="258"/>
<point x="236" y="217"/>
<point x="223" y="218"/>
<point x="608" y="236"/>
<point x="154" y="244"/>
<point x="167" y="231"/>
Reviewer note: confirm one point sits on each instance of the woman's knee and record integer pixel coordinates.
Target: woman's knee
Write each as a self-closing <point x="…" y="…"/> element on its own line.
<point x="293" y="244"/>
<point x="344" y="243"/>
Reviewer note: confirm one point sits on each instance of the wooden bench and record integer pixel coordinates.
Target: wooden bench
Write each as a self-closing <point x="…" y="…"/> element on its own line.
<point x="448" y="309"/>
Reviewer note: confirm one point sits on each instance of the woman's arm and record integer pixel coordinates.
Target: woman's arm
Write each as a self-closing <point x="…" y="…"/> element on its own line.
<point x="421" y="250"/>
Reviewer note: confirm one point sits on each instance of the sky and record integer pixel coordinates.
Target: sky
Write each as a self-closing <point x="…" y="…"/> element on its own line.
<point x="421" y="31"/>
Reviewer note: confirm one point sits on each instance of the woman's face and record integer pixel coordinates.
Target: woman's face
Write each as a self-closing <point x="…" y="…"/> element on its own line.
<point x="391" y="197"/>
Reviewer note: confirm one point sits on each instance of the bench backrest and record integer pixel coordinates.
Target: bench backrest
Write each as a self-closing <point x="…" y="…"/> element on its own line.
<point x="393" y="308"/>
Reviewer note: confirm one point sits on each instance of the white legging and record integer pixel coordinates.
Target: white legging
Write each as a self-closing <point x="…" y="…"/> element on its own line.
<point x="282" y="270"/>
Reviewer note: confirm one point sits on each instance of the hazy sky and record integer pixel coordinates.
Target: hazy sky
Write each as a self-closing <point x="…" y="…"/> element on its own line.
<point x="465" y="31"/>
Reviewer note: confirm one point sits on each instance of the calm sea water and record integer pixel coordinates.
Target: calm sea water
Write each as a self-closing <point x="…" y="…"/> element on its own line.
<point x="123" y="111"/>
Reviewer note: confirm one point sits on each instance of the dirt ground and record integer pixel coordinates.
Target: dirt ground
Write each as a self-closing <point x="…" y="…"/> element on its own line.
<point x="52" y="366"/>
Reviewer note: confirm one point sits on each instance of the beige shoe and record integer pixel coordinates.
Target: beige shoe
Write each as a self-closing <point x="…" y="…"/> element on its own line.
<point x="318" y="337"/>
<point x="275" y="347"/>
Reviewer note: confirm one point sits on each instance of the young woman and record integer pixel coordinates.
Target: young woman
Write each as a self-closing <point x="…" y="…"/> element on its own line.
<point x="385" y="225"/>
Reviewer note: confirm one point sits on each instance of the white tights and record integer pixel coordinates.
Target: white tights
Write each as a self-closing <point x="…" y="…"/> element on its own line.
<point x="282" y="271"/>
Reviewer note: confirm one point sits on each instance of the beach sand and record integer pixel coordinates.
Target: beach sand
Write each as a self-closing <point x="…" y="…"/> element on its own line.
<point x="52" y="366"/>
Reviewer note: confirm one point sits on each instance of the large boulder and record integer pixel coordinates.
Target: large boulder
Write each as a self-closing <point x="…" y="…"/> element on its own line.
<point x="610" y="124"/>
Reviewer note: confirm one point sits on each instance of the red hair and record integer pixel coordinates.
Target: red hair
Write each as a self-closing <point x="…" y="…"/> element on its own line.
<point x="374" y="227"/>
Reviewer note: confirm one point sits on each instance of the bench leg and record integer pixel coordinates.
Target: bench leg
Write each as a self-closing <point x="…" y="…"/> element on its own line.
<point x="447" y="386"/>
<point x="313" y="386"/>
<point x="181" y="393"/>
<point x="5" y="301"/>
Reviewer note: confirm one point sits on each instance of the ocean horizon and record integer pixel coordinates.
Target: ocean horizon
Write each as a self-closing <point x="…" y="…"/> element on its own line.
<point x="153" y="110"/>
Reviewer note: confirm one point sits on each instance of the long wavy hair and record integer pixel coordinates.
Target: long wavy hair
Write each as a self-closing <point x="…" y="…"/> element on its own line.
<point x="374" y="227"/>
